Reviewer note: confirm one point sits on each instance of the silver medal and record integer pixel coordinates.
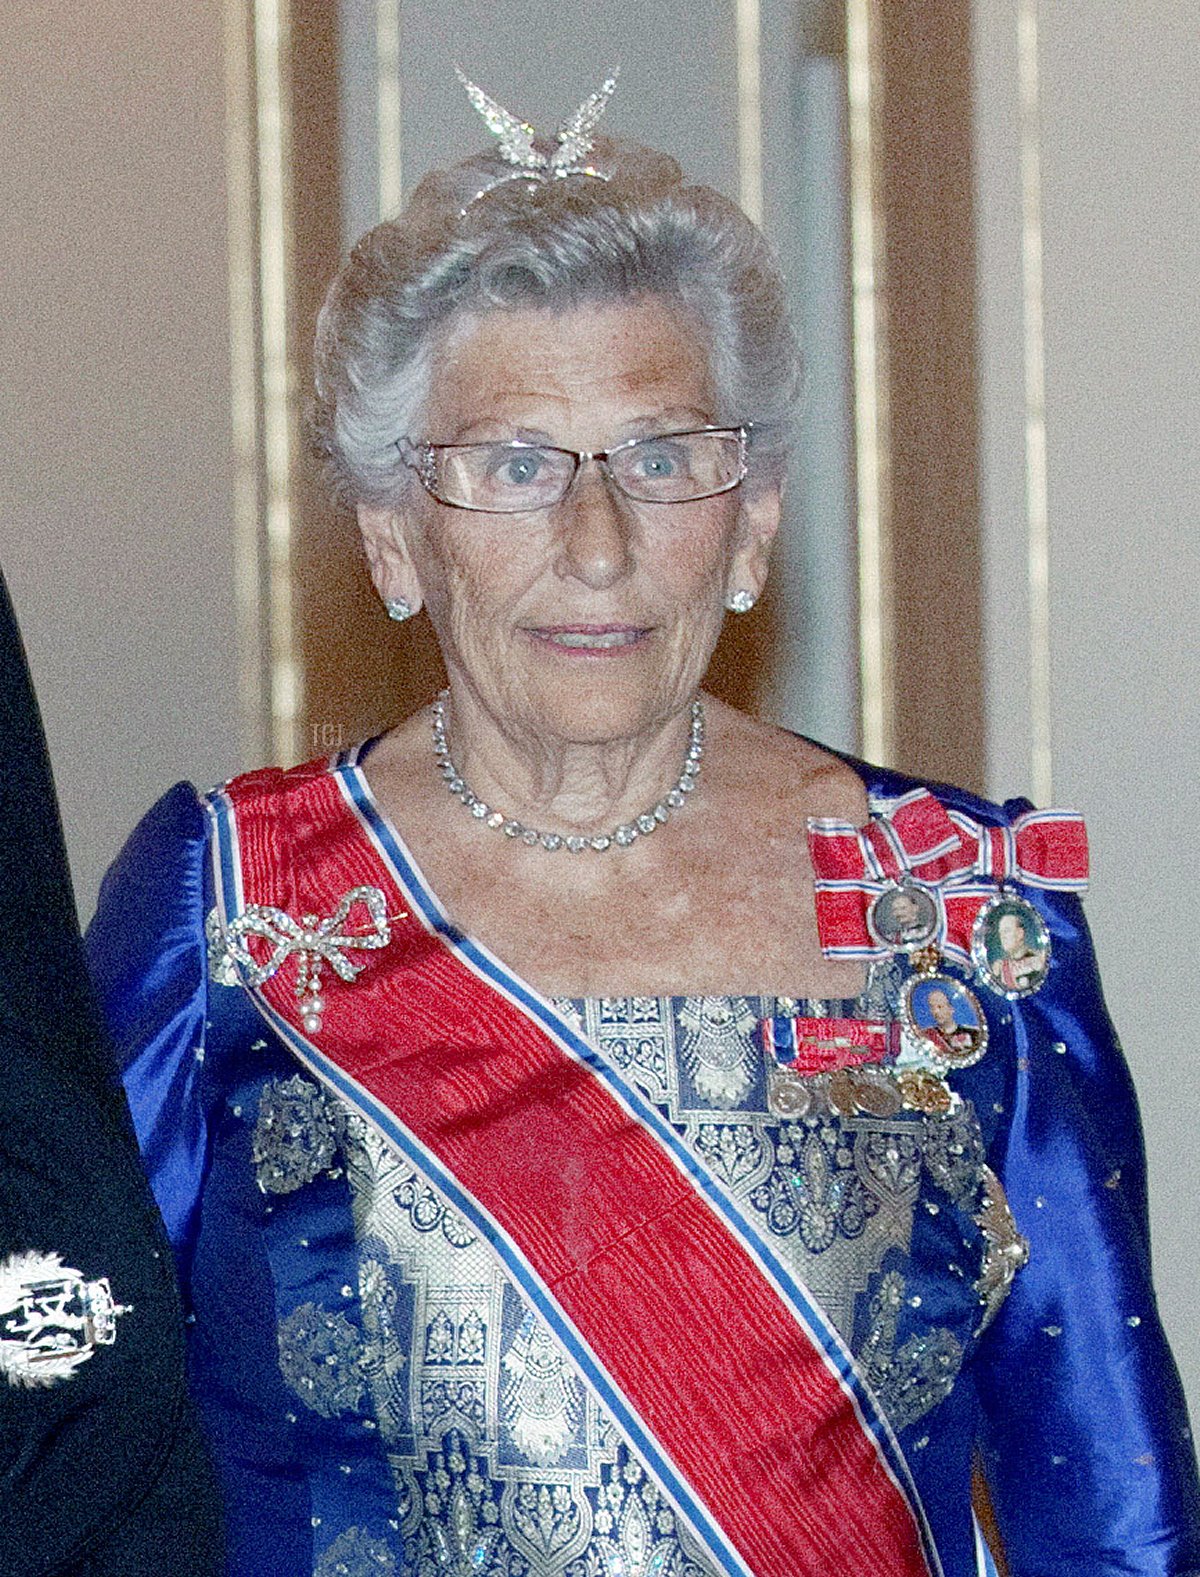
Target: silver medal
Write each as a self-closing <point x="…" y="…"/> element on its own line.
<point x="904" y="917"/>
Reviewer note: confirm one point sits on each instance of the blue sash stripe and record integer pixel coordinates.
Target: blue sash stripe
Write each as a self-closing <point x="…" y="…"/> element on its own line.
<point x="484" y="964"/>
<point x="690" y="1509"/>
<point x="228" y="863"/>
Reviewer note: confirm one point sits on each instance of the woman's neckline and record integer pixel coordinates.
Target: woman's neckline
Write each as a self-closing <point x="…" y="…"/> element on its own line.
<point x="350" y="764"/>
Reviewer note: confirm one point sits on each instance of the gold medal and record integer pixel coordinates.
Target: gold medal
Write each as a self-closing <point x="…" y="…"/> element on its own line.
<point x="923" y="1091"/>
<point x="842" y="1092"/>
<point x="876" y="1093"/>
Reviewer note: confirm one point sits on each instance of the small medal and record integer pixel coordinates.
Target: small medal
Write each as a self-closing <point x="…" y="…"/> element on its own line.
<point x="1010" y="946"/>
<point x="923" y="1091"/>
<point x="841" y="1090"/>
<point x="788" y="1095"/>
<point x="875" y="1092"/>
<point x="904" y="917"/>
<point x="942" y="1016"/>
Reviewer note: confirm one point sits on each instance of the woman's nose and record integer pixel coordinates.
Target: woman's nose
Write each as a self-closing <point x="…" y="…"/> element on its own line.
<point x="595" y="526"/>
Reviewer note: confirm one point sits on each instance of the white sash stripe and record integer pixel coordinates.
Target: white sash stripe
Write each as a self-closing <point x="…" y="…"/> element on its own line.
<point x="484" y="965"/>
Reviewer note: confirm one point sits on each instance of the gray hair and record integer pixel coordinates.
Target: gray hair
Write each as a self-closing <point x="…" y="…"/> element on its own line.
<point x="556" y="246"/>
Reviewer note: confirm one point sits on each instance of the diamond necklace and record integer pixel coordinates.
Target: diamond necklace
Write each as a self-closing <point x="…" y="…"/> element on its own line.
<point x="621" y="836"/>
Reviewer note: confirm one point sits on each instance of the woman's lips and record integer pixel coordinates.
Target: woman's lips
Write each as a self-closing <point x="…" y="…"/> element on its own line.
<point x="590" y="639"/>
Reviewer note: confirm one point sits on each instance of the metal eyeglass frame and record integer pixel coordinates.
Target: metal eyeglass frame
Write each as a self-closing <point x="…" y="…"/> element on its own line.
<point x="419" y="457"/>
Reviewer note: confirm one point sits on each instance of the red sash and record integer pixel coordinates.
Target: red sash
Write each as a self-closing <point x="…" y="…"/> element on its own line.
<point x="738" y="1395"/>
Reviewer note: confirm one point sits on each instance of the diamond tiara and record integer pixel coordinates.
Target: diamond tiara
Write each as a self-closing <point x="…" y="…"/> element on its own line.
<point x="517" y="139"/>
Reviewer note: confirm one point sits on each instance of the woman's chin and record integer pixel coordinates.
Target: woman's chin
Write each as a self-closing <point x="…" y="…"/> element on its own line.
<point x="596" y="705"/>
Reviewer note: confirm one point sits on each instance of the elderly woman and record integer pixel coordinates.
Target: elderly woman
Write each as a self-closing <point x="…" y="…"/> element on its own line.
<point x="563" y="1180"/>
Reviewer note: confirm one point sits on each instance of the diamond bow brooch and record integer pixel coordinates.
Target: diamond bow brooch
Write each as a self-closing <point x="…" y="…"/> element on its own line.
<point x="312" y="940"/>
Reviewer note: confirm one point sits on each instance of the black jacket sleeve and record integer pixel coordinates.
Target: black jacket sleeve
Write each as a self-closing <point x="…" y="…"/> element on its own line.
<point x="101" y="1470"/>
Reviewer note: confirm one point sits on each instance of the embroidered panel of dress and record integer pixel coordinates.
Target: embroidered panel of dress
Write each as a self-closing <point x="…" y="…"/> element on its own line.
<point x="397" y="1325"/>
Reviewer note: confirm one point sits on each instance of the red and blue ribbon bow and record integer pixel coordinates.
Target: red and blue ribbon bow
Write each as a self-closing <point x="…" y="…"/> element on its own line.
<point x="961" y="861"/>
<point x="1041" y="848"/>
<point x="914" y="837"/>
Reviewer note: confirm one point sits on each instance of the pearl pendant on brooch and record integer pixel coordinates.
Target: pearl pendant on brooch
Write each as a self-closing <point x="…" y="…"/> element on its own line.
<point x="311" y="940"/>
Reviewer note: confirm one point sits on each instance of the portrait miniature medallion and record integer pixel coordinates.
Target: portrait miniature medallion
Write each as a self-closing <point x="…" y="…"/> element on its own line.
<point x="944" y="1017"/>
<point x="1010" y="945"/>
<point x="904" y="917"/>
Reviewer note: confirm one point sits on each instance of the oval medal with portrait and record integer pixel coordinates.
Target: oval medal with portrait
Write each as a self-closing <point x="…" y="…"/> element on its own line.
<point x="944" y="1017"/>
<point x="1010" y="944"/>
<point x="904" y="917"/>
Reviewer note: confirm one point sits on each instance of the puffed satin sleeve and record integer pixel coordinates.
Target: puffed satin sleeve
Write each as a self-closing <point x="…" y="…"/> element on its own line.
<point x="146" y="951"/>
<point x="1086" y="1446"/>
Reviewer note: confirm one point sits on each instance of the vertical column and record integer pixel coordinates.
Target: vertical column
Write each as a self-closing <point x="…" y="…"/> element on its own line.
<point x="117" y="492"/>
<point x="1104" y="674"/>
<point x="927" y="608"/>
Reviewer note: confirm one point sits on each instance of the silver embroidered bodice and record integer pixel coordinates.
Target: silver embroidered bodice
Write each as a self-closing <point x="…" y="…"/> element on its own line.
<point x="501" y="1460"/>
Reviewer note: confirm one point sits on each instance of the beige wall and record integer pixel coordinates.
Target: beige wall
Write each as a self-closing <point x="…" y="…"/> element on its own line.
<point x="115" y="514"/>
<point x="1119" y="150"/>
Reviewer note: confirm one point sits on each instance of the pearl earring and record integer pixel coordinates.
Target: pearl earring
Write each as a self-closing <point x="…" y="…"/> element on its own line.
<point x="399" y="608"/>
<point x="740" y="601"/>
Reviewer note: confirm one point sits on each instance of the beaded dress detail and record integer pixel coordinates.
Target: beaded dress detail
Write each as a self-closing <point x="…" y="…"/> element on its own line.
<point x="500" y="1458"/>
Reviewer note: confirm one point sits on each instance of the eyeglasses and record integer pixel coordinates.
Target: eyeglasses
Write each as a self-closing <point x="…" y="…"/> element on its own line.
<point x="512" y="478"/>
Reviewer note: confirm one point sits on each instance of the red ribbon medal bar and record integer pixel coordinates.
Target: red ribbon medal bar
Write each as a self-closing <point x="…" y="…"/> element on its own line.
<point x="819" y="1045"/>
<point x="727" y="1380"/>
